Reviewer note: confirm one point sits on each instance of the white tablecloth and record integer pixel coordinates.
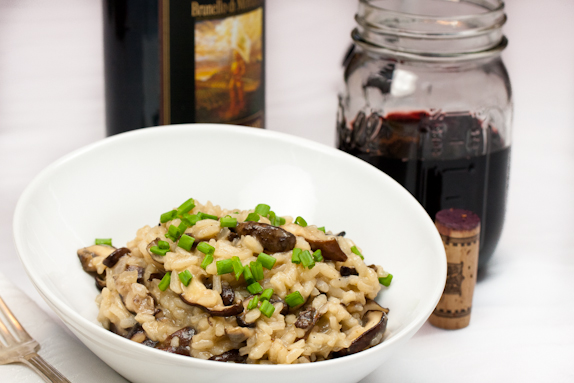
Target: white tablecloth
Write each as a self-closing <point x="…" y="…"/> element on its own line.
<point x="522" y="328"/>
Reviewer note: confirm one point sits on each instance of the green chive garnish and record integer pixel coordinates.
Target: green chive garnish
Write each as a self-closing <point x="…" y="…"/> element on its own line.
<point x="267" y="309"/>
<point x="279" y="221"/>
<point x="386" y="281"/>
<point x="254" y="288"/>
<point x="173" y="232"/>
<point x="224" y="266"/>
<point x="205" y="248"/>
<point x="295" y="257"/>
<point x="257" y="270"/>
<point x="164" y="283"/>
<point x="356" y="251"/>
<point x="186" y="206"/>
<point x="168" y="216"/>
<point x="254" y="217"/>
<point x="266" y="261"/>
<point x="104" y="241"/>
<point x="207" y="216"/>
<point x="294" y="299"/>
<point x="266" y="294"/>
<point x="163" y="244"/>
<point x="228" y="221"/>
<point x="206" y="261"/>
<point x="190" y="219"/>
<point x="248" y="275"/>
<point x="182" y="227"/>
<point x="262" y="209"/>
<point x="317" y="256"/>
<point x="253" y="303"/>
<point x="157" y="251"/>
<point x="185" y="277"/>
<point x="237" y="267"/>
<point x="322" y="228"/>
<point x="186" y="242"/>
<point x="301" y="222"/>
<point x="271" y="215"/>
<point x="307" y="259"/>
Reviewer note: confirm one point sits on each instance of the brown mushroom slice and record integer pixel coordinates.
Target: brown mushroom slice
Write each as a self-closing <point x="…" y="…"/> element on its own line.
<point x="275" y="299"/>
<point x="330" y="249"/>
<point x="273" y="239"/>
<point x="100" y="281"/>
<point x="231" y="356"/>
<point x="158" y="258"/>
<point x="182" y="345"/>
<point x="374" y="320"/>
<point x="227" y="295"/>
<point x="241" y="322"/>
<point x="114" y="257"/>
<point x="217" y="311"/>
<point x="137" y="334"/>
<point x="308" y="318"/>
<point x="347" y="271"/>
<point x="239" y="334"/>
<point x="86" y="254"/>
<point x="153" y="276"/>
<point x="140" y="271"/>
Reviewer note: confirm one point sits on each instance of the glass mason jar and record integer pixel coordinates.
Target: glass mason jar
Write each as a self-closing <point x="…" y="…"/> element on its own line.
<point x="427" y="100"/>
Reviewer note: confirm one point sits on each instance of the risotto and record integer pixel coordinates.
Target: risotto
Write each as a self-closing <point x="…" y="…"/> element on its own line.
<point x="239" y="286"/>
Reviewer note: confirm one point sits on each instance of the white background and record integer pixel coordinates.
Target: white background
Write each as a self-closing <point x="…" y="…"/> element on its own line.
<point x="522" y="328"/>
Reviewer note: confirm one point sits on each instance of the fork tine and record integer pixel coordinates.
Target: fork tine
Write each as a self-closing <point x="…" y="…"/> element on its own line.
<point x="14" y="325"/>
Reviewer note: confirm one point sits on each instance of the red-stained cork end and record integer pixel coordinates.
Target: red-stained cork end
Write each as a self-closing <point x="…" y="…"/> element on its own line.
<point x="457" y="219"/>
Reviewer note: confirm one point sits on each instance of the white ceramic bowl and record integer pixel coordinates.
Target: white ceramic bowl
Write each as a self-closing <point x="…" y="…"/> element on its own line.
<point x="113" y="187"/>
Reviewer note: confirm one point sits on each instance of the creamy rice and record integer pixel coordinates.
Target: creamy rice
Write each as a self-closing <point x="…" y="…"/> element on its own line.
<point x="210" y="318"/>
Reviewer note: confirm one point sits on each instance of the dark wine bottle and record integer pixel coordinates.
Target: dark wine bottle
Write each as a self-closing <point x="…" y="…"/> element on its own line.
<point x="180" y="61"/>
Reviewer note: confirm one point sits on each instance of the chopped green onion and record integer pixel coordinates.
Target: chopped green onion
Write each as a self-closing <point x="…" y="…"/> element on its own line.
<point x="168" y="216"/>
<point x="228" y="221"/>
<point x="163" y="244"/>
<point x="294" y="299"/>
<point x="186" y="242"/>
<point x="262" y="209"/>
<point x="317" y="256"/>
<point x="190" y="219"/>
<point x="206" y="261"/>
<point x="271" y="215"/>
<point x="252" y="217"/>
<point x="224" y="267"/>
<point x="356" y="251"/>
<point x="104" y="241"/>
<point x="186" y="206"/>
<point x="254" y="288"/>
<point x="386" y="281"/>
<point x="164" y="283"/>
<point x="267" y="309"/>
<point x="295" y="257"/>
<point x="206" y="216"/>
<point x="266" y="261"/>
<point x="278" y="221"/>
<point x="257" y="270"/>
<point x="301" y="222"/>
<point x="182" y="227"/>
<point x="322" y="228"/>
<point x="185" y="277"/>
<point x="266" y="294"/>
<point x="253" y="303"/>
<point x="307" y="259"/>
<point x="157" y="251"/>
<point x="205" y="248"/>
<point x="237" y="267"/>
<point x="248" y="275"/>
<point x="173" y="232"/>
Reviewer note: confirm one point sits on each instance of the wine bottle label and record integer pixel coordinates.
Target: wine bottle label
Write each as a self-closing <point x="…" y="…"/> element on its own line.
<point x="212" y="61"/>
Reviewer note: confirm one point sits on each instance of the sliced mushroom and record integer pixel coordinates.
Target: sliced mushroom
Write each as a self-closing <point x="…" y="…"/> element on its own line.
<point x="230" y="356"/>
<point x="137" y="334"/>
<point x="218" y="311"/>
<point x="341" y="234"/>
<point x="239" y="334"/>
<point x="273" y="239"/>
<point x="346" y="271"/>
<point x="183" y="342"/>
<point x="86" y="254"/>
<point x="153" y="276"/>
<point x="158" y="258"/>
<point x="114" y="257"/>
<point x="140" y="271"/>
<point x="330" y="249"/>
<point x="100" y="281"/>
<point x="227" y="295"/>
<point x="374" y="318"/>
<point x="275" y="299"/>
<point x="308" y="318"/>
<point x="243" y="323"/>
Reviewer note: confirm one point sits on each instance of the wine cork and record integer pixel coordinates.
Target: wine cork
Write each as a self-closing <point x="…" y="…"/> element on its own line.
<point x="460" y="231"/>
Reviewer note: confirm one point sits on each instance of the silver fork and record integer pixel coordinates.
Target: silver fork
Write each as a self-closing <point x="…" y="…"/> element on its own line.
<point x="22" y="348"/>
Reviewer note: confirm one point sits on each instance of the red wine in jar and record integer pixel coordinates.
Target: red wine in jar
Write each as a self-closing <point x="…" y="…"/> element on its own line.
<point x="440" y="161"/>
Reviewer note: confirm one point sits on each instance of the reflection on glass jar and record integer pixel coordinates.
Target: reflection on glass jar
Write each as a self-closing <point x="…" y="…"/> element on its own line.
<point x="428" y="101"/>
